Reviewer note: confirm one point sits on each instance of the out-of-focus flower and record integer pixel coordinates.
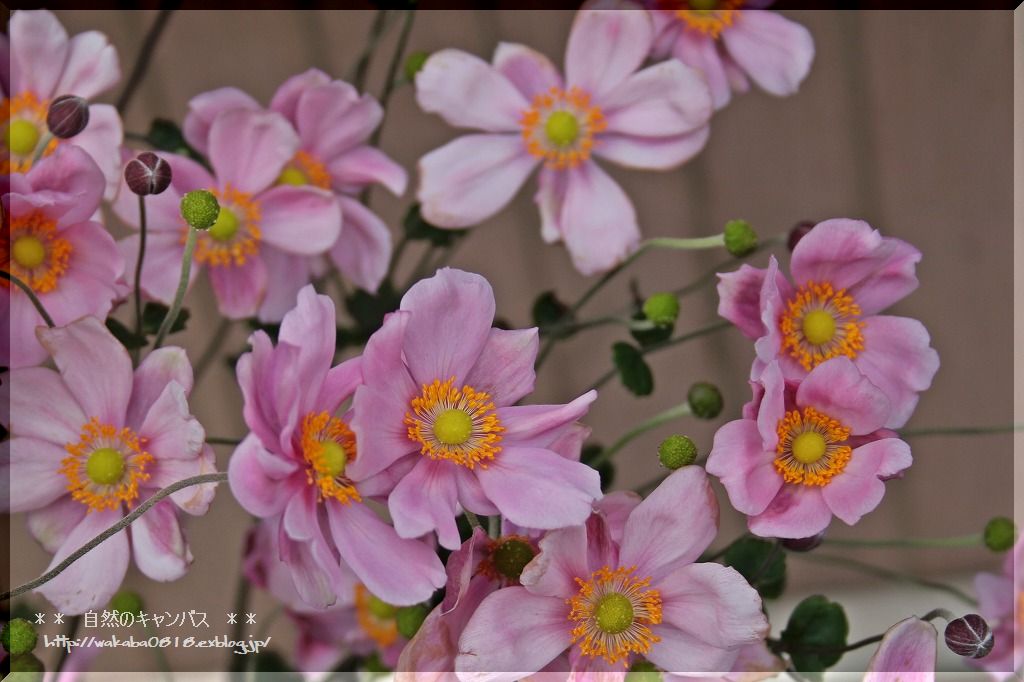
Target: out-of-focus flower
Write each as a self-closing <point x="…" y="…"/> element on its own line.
<point x="71" y="263"/>
<point x="42" y="64"/>
<point x="333" y="122"/>
<point x="92" y="441"/>
<point x="297" y="468"/>
<point x="907" y="653"/>
<point x="259" y="223"/>
<point x="845" y="273"/>
<point x="655" y="118"/>
<point x="610" y="601"/>
<point x="732" y="45"/>
<point x="805" y="452"/>
<point x="1001" y="602"/>
<point x="439" y="399"/>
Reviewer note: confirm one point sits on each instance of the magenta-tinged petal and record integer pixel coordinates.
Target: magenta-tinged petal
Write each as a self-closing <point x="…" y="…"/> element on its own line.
<point x="530" y="71"/>
<point x="363" y="166"/>
<point x="93" y="279"/>
<point x="616" y="507"/>
<point x="248" y="149"/>
<point x="260" y="494"/>
<point x="95" y="367"/>
<point x="158" y="544"/>
<point x="205" y="107"/>
<point x="739" y="299"/>
<point x="314" y="569"/>
<point x="339" y="385"/>
<point x="605" y="47"/>
<point x="399" y="571"/>
<point x="598" y="220"/>
<point x="169" y="429"/>
<point x="858" y="488"/>
<point x="798" y="511"/>
<point x="151" y="377"/>
<point x="467" y="92"/>
<point x="775" y="293"/>
<point x="562" y="559"/>
<point x="471" y="494"/>
<point x="907" y="653"/>
<point x="332" y="118"/>
<point x="300" y="521"/>
<point x="654" y="541"/>
<point x="31" y="477"/>
<point x="461" y="568"/>
<point x="51" y="525"/>
<point x="195" y="499"/>
<point x="286" y="99"/>
<point x="652" y="153"/>
<point x="91" y="66"/>
<point x="39" y="49"/>
<point x="41" y="406"/>
<point x="494" y="646"/>
<point x="738" y="458"/>
<point x="772" y="407"/>
<point x="71" y="180"/>
<point x="504" y="369"/>
<point x="537" y="488"/>
<point x="666" y="99"/>
<point x="90" y="582"/>
<point x="682" y="653"/>
<point x="302" y="220"/>
<point x="102" y="140"/>
<point x="309" y="328"/>
<point x="425" y="500"/>
<point x="714" y="604"/>
<point x="537" y="425"/>
<point x="897" y="359"/>
<point x="287" y="274"/>
<point x="550" y="198"/>
<point x="700" y="52"/>
<point x="239" y="288"/>
<point x="471" y="178"/>
<point x="20" y="347"/>
<point x="838" y="389"/>
<point x="363" y="251"/>
<point x="775" y="52"/>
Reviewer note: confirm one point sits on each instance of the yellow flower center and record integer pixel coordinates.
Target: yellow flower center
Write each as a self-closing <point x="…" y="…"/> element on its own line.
<point x="560" y="126"/>
<point x="709" y="17"/>
<point x="376" y="618"/>
<point x="305" y="169"/>
<point x="613" y="611"/>
<point x="105" y="466"/>
<point x="456" y="424"/>
<point x="32" y="251"/>
<point x="811" y="447"/>
<point x="820" y="323"/>
<point x="235" y="236"/>
<point x="24" y="120"/>
<point x="22" y="137"/>
<point x="328" y="445"/>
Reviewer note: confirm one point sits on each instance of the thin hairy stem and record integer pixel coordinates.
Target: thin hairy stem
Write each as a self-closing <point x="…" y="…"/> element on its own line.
<point x="40" y="308"/>
<point x="142" y="62"/>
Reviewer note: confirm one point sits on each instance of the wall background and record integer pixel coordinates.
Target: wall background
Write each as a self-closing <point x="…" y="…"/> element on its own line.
<point x="905" y="121"/>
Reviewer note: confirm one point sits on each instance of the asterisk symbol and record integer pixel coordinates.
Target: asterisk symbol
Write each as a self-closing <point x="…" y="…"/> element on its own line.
<point x="231" y="618"/>
<point x="250" y="618"/>
<point x="58" y="619"/>
<point x="40" y="618"/>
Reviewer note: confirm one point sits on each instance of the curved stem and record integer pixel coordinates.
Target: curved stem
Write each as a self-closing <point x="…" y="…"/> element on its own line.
<point x="973" y="540"/>
<point x="41" y="147"/>
<point x="179" y="296"/>
<point x="31" y="296"/>
<point x="218" y="477"/>
<point x="396" y="60"/>
<point x="960" y="430"/>
<point x="681" y="410"/>
<point x="363" y="65"/>
<point x="709" y="276"/>
<point x="212" y="348"/>
<point x="138" y="273"/>
<point x="213" y="440"/>
<point x="142" y="62"/>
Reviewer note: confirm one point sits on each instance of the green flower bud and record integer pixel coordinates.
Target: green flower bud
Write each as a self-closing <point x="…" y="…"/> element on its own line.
<point x="414" y="64"/>
<point x="1000" y="534"/>
<point x="18" y="637"/>
<point x="676" y="452"/>
<point x="740" y="238"/>
<point x="705" y="400"/>
<point x="200" y="209"/>
<point x="26" y="668"/>
<point x="662" y="309"/>
<point x="126" y="601"/>
<point x="643" y="671"/>
<point x="511" y="556"/>
<point x="408" y="619"/>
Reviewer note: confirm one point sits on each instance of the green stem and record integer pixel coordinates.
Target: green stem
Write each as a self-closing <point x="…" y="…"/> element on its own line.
<point x="41" y="147"/>
<point x="975" y="540"/>
<point x="179" y="296"/>
<point x="142" y="62"/>
<point x="214" y="440"/>
<point x="138" y="274"/>
<point x="31" y="296"/>
<point x="960" y="430"/>
<point x="396" y="60"/>
<point x="681" y="410"/>
<point x="494" y="526"/>
<point x="473" y="519"/>
<point x="212" y="349"/>
<point x="363" y="65"/>
<point x="710" y="275"/>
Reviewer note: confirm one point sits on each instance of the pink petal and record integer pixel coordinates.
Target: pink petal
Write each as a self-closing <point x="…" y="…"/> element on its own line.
<point x="171" y="432"/>
<point x="898" y="359"/>
<point x="651" y="153"/>
<point x="339" y="384"/>
<point x="550" y="198"/>
<point x="995" y="595"/>
<point x="738" y="458"/>
<point x="774" y="51"/>
<point x="286" y="99"/>
<point x="467" y="92"/>
<point x="332" y="118"/>
<point x="425" y="500"/>
<point x="838" y="389"/>
<point x="73" y="182"/>
<point x="301" y="220"/>
<point x="399" y="571"/>
<point x="663" y="100"/>
<point x="248" y="149"/>
<point x="539" y="425"/>
<point x="102" y="140"/>
<point x="156" y="370"/>
<point x="798" y="511"/>
<point x="20" y="347"/>
<point x="91" y="66"/>
<point x="615" y="508"/>
<point x="194" y="499"/>
<point x="505" y="366"/>
<point x="858" y="488"/>
<point x="309" y="328"/>
<point x="363" y="166"/>
<point x="39" y="49"/>
<point x="471" y="494"/>
<point x="31" y="477"/>
<point x="41" y="406"/>
<point x="161" y="267"/>
<point x="682" y="653"/>
<point x="471" y="178"/>
<point x="530" y="71"/>
<point x="93" y="279"/>
<point x="259" y="494"/>
<point x="314" y="569"/>
<point x="701" y="53"/>
<point x="714" y="604"/>
<point x="598" y="220"/>
<point x="158" y="544"/>
<point x="363" y="251"/>
<point x="908" y="652"/>
<point x="562" y="559"/>
<point x="773" y="406"/>
<point x="90" y="582"/>
<point x="739" y="299"/>
<point x="604" y="48"/>
<point x="239" y="288"/>
<point x="51" y="525"/>
<point x="288" y="273"/>
<point x="300" y="521"/>
<point x="205" y="107"/>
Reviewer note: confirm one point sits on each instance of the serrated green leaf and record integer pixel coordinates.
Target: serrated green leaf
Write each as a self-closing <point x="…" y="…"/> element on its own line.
<point x="761" y="562"/>
<point x="816" y="634"/>
<point x="633" y="369"/>
<point x="127" y="337"/>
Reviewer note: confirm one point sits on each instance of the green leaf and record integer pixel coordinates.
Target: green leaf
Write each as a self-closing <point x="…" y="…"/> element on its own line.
<point x="418" y="229"/>
<point x="649" y="337"/>
<point x="368" y="310"/>
<point x="761" y="562"/>
<point x="153" y="316"/>
<point x="633" y="370"/>
<point x="548" y="311"/>
<point x="166" y="136"/>
<point x="816" y="634"/>
<point x="127" y="337"/>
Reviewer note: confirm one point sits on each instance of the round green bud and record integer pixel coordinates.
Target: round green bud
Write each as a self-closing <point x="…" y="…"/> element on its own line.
<point x="408" y="619"/>
<point x="18" y="637"/>
<point x="705" y="400"/>
<point x="126" y="601"/>
<point x="662" y="309"/>
<point x="1000" y="534"/>
<point x="643" y="671"/>
<point x="200" y="209"/>
<point x="414" y="64"/>
<point x="740" y="238"/>
<point x="374" y="665"/>
<point x="511" y="556"/>
<point x="676" y="452"/>
<point x="26" y="668"/>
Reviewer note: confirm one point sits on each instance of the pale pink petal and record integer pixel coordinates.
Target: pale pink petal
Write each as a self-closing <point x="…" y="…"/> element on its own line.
<point x="239" y="288"/>
<point x="300" y="521"/>
<point x="332" y="118"/>
<point x="471" y="494"/>
<point x="616" y="507"/>
<point x="897" y="359"/>
<point x="258" y="493"/>
<point x="94" y="275"/>
<point x="539" y="425"/>
<point x="738" y="458"/>
<point x="248" y="149"/>
<point x="286" y="99"/>
<point x="838" y="389"/>
<point x="550" y="198"/>
<point x="562" y="559"/>
<point x="252" y="371"/>
<point x="739" y="299"/>
<point x="151" y="377"/>
<point x="205" y="107"/>
<point x="158" y="545"/>
<point x="31" y="477"/>
<point x="652" y="153"/>
<point x="20" y="347"/>
<point x="700" y="52"/>
<point x="41" y="406"/>
<point x="504" y="369"/>
<point x="91" y="66"/>
<point x="907" y="653"/>
<point x="39" y="49"/>
<point x="467" y="92"/>
<point x="471" y="178"/>
<point x="598" y="220"/>
<point x="714" y="604"/>
<point x="772" y="407"/>
<point x="195" y="499"/>
<point x="605" y="47"/>
<point x="102" y="140"/>
<point x="775" y="52"/>
<point x="363" y="166"/>
<point x="51" y="525"/>
<point x="425" y="500"/>
<point x="798" y="511"/>
<point x="858" y="488"/>
<point x="301" y="220"/>
<point x="339" y="385"/>
<point x="314" y="569"/>
<point x="682" y="653"/>
<point x="530" y="71"/>
<point x="287" y="274"/>
<point x="171" y="432"/>
<point x="309" y="328"/>
<point x="363" y="251"/>
<point x="70" y="179"/>
<point x="663" y="100"/>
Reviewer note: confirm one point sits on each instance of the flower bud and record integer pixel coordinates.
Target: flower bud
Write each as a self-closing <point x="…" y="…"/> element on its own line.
<point x="1000" y="534"/>
<point x="676" y="452"/>
<point x="662" y="309"/>
<point x="969" y="636"/>
<point x="147" y="174"/>
<point x="798" y="232"/>
<point x="26" y="668"/>
<point x="18" y="637"/>
<point x="511" y="556"/>
<point x="408" y="619"/>
<point x="68" y="116"/>
<point x="414" y="64"/>
<point x="200" y="209"/>
<point x="740" y="238"/>
<point x="803" y="544"/>
<point x="705" y="400"/>
<point x="643" y="671"/>
<point x="126" y="601"/>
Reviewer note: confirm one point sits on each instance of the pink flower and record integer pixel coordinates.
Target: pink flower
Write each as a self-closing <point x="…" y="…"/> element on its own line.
<point x="655" y="118"/>
<point x="439" y="401"/>
<point x="71" y="263"/>
<point x="298" y="468"/>
<point x="907" y="653"/>
<point x="845" y="273"/>
<point x="258" y="218"/>
<point x="1001" y="603"/>
<point x="805" y="452"/>
<point x="41" y="63"/>
<point x="333" y="123"/>
<point x="91" y="442"/>
<point x="612" y="601"/>
<point x="730" y="44"/>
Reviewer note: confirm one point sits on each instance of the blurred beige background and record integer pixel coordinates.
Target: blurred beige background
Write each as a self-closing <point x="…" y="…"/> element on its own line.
<point x="905" y="121"/>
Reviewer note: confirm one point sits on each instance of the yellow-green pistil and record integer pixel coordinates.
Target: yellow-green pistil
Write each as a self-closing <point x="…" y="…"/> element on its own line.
<point x="562" y="128"/>
<point x="225" y="226"/>
<point x="105" y="466"/>
<point x="22" y="137"/>
<point x="453" y="427"/>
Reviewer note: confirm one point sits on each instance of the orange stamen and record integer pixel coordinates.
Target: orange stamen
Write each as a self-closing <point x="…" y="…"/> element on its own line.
<point x="94" y="495"/>
<point x="834" y="454"/>
<point x="483" y="426"/>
